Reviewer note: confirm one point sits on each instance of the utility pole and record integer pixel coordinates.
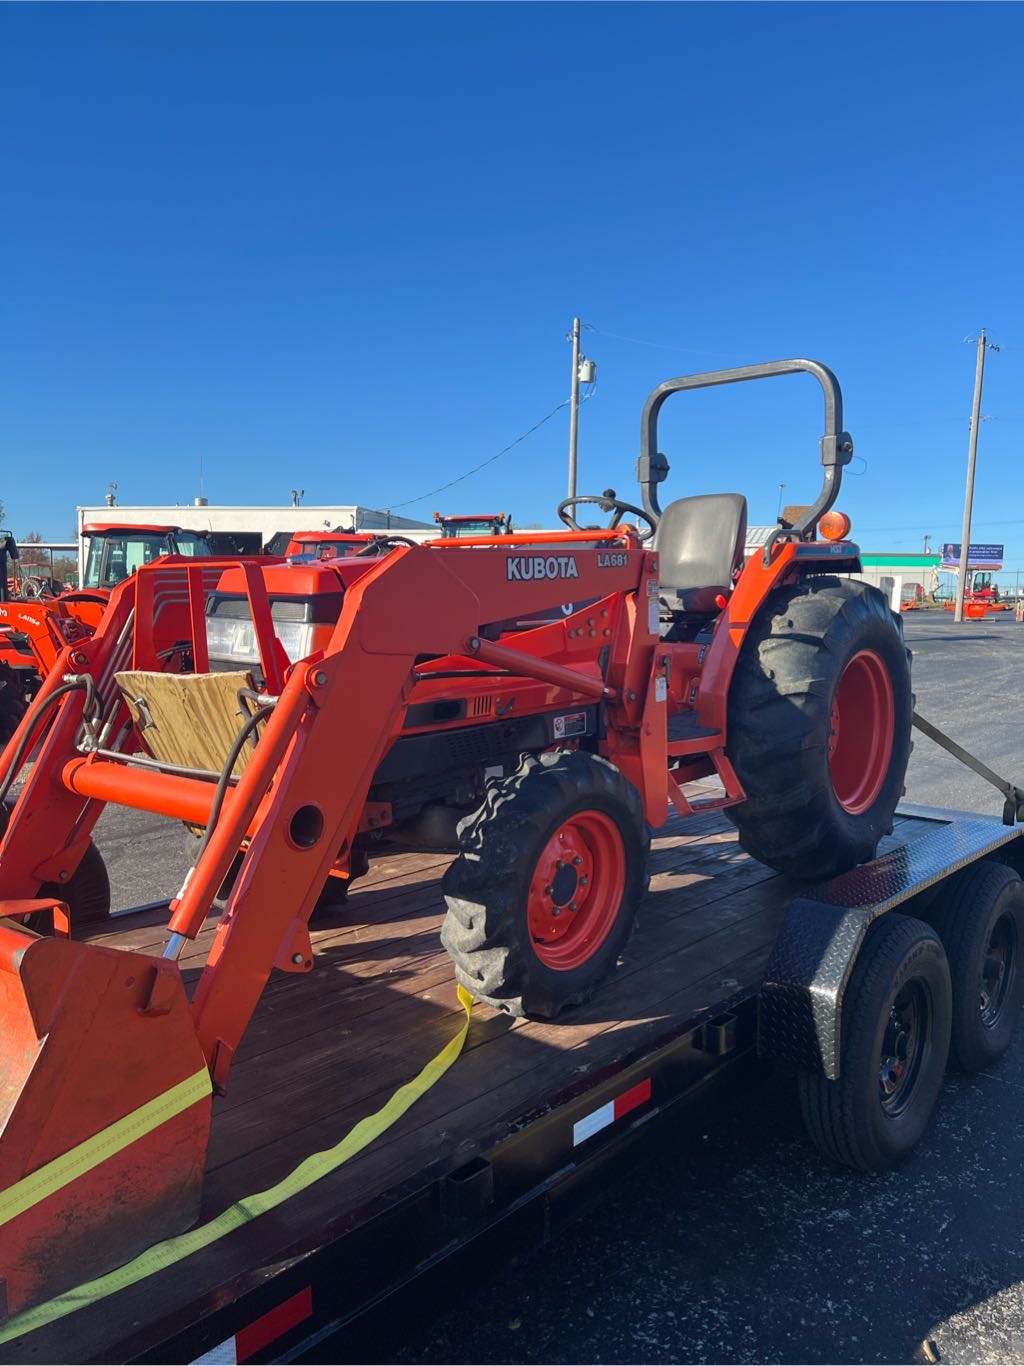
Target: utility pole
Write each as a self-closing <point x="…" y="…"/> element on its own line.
<point x="927" y="544"/>
<point x="574" y="406"/>
<point x="972" y="455"/>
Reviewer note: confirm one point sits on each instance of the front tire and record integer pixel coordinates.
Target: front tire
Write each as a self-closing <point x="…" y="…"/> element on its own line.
<point x="820" y="713"/>
<point x="893" y="1047"/>
<point x="545" y="890"/>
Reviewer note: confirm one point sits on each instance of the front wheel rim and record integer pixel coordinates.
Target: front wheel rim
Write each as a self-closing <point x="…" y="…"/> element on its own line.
<point x="862" y="732"/>
<point x="576" y="890"/>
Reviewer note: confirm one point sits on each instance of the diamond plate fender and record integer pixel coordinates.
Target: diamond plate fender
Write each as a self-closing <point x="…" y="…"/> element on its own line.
<point x="800" y="1004"/>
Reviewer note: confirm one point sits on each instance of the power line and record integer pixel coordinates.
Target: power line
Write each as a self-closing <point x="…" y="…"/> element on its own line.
<point x="491" y="458"/>
<point x="663" y="346"/>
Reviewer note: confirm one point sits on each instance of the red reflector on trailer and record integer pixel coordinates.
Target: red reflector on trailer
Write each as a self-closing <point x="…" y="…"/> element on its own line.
<point x="261" y="1332"/>
<point x="615" y="1109"/>
<point x="629" y="1100"/>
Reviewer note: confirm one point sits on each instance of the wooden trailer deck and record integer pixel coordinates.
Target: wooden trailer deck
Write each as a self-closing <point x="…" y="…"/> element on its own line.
<point x="330" y="1047"/>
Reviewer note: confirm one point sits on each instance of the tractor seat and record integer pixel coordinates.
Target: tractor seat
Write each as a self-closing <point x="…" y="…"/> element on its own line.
<point x="700" y="543"/>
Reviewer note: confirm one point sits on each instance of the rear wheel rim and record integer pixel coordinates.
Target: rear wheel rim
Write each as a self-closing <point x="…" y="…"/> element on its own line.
<point x="999" y="967"/>
<point x="862" y="732"/>
<point x="905" y="1044"/>
<point x="576" y="890"/>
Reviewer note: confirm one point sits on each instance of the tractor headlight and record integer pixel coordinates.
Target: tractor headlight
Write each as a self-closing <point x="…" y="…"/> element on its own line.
<point x="231" y="636"/>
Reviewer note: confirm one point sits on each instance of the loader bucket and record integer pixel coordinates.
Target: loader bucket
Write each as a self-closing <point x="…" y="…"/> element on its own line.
<point x="104" y="1111"/>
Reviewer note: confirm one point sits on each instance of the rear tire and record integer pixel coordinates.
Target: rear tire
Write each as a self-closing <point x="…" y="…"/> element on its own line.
<point x="545" y="890"/>
<point x="820" y="712"/>
<point x="893" y="1047"/>
<point x="14" y="701"/>
<point x="980" y="920"/>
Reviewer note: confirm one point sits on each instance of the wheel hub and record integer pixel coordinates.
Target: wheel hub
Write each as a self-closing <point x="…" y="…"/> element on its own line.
<point x="561" y="884"/>
<point x="903" y="1045"/>
<point x="996" y="971"/>
<point x="564" y="883"/>
<point x="576" y="890"/>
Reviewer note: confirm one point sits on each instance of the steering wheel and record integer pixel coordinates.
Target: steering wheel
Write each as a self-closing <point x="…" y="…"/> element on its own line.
<point x="607" y="502"/>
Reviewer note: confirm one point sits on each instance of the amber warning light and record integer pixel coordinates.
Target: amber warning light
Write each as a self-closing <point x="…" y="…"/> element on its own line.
<point x="834" y="526"/>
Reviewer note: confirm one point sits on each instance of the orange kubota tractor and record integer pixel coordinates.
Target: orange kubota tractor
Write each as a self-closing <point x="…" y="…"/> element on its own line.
<point x="329" y="709"/>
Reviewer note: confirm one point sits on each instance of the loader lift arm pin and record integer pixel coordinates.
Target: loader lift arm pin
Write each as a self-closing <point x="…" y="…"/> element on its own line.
<point x="1013" y="803"/>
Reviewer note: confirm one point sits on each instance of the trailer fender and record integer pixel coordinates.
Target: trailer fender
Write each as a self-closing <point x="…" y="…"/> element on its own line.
<point x="800" y="1002"/>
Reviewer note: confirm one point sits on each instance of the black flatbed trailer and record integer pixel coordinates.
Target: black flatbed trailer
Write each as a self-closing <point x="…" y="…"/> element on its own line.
<point x="730" y="960"/>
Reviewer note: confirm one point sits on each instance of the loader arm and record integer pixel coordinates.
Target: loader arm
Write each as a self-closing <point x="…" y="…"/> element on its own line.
<point x="335" y="719"/>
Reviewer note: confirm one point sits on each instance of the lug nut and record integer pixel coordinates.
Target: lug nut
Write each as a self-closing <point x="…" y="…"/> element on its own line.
<point x="577" y="860"/>
<point x="549" y="890"/>
<point x="572" y="905"/>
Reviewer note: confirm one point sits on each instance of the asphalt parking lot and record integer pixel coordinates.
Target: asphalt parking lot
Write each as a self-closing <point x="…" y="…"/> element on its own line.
<point x="740" y="1244"/>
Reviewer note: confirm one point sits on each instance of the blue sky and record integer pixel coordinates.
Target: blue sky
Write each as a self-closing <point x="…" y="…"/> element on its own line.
<point x="339" y="247"/>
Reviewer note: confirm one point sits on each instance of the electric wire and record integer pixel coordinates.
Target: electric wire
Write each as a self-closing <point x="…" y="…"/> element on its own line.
<point x="491" y="459"/>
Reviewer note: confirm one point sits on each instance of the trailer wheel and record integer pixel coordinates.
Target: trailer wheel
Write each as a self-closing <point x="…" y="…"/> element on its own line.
<point x="980" y="920"/>
<point x="544" y="892"/>
<point x="87" y="893"/>
<point x="820" y="713"/>
<point x="893" y="1047"/>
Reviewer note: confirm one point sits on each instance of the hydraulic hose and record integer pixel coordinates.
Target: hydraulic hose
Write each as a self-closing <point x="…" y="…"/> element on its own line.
<point x="37" y="711"/>
<point x="224" y="781"/>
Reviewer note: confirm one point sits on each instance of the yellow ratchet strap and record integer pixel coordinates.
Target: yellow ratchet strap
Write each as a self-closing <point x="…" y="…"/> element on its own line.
<point x="81" y="1159"/>
<point x="173" y="1250"/>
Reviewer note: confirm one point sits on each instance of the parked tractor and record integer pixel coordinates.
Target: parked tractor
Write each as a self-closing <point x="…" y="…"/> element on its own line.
<point x="335" y="545"/>
<point x="474" y="524"/>
<point x="116" y="550"/>
<point x="307" y="716"/>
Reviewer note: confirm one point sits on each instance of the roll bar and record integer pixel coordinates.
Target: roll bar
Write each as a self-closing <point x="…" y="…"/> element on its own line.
<point x="836" y="445"/>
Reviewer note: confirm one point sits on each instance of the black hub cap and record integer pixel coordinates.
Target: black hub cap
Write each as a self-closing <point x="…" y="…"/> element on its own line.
<point x="997" y="971"/>
<point x="903" y="1047"/>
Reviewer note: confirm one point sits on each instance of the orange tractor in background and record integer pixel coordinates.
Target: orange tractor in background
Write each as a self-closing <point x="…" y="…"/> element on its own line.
<point x="474" y="524"/>
<point x="34" y="628"/>
<point x="438" y="696"/>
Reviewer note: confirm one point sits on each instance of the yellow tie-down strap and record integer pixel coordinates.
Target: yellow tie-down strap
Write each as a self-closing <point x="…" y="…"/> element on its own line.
<point x="173" y="1250"/>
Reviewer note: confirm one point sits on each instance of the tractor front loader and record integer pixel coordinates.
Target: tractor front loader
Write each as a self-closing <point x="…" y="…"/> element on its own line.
<point x="533" y="703"/>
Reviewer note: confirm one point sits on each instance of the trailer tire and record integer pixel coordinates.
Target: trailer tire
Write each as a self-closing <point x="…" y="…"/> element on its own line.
<point x="820" y="714"/>
<point x="894" y="1043"/>
<point x="544" y="893"/>
<point x="86" y="893"/>
<point x="980" y="920"/>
